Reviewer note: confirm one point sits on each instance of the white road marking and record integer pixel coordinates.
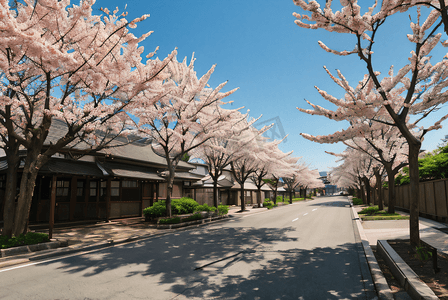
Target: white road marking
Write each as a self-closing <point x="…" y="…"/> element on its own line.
<point x="314" y="209"/>
<point x="305" y="214"/>
<point x="295" y="219"/>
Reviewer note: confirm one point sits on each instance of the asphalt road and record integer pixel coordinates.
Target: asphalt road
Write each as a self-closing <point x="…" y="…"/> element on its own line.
<point x="308" y="250"/>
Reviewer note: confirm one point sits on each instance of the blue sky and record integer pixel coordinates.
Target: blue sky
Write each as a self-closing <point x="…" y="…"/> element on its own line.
<point x="276" y="64"/>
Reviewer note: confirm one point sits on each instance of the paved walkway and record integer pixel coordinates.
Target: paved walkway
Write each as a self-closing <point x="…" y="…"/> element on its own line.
<point x="399" y="229"/>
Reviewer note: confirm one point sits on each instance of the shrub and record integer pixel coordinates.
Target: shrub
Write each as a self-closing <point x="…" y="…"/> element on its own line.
<point x="183" y="206"/>
<point x="178" y="207"/>
<point x="31" y="238"/>
<point x="205" y="207"/>
<point x="157" y="210"/>
<point x="369" y="210"/>
<point x="174" y="220"/>
<point x="269" y="205"/>
<point x="194" y="217"/>
<point x="223" y="209"/>
<point x="357" y="201"/>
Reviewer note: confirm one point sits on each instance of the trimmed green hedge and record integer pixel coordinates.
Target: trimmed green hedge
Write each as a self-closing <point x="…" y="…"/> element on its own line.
<point x="174" y="220"/>
<point x="223" y="209"/>
<point x="178" y="207"/>
<point x="196" y="216"/>
<point x="31" y="238"/>
<point x="357" y="201"/>
<point x="205" y="207"/>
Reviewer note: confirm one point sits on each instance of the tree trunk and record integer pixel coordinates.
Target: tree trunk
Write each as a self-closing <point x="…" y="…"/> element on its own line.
<point x="243" y="203"/>
<point x="27" y="183"/>
<point x="363" y="195"/>
<point x="378" y="187"/>
<point x="414" y="233"/>
<point x="391" y="191"/>
<point x="10" y="194"/>
<point x="275" y="196"/>
<point x="259" y="197"/>
<point x="169" y="189"/>
<point x="367" y="189"/>
<point x="172" y="165"/>
<point x="215" y="193"/>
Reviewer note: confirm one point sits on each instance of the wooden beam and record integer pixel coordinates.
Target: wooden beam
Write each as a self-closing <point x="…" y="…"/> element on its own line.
<point x="108" y="195"/>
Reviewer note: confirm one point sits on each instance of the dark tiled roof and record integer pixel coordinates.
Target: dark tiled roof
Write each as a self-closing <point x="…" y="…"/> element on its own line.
<point x="187" y="176"/>
<point x="131" y="171"/>
<point x="70" y="167"/>
<point x="139" y="150"/>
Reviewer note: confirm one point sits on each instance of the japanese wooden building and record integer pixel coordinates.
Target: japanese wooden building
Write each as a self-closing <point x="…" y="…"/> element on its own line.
<point x="113" y="183"/>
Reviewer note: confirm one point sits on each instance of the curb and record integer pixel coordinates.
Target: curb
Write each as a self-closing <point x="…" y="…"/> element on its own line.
<point x="32" y="248"/>
<point x="55" y="252"/>
<point x="384" y="292"/>
<point x="202" y="221"/>
<point x="415" y="288"/>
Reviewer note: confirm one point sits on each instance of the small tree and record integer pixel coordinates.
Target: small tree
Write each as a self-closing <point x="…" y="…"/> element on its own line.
<point x="272" y="162"/>
<point x="248" y="158"/>
<point x="184" y="117"/>
<point x="217" y="152"/>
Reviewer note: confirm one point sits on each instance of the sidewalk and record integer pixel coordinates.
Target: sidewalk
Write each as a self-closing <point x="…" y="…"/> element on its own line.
<point x="399" y="229"/>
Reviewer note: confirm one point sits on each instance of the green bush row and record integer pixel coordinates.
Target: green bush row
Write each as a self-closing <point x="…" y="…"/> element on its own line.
<point x="31" y="238"/>
<point x="196" y="216"/>
<point x="269" y="204"/>
<point x="223" y="210"/>
<point x="205" y="207"/>
<point x="369" y="210"/>
<point x="357" y="201"/>
<point x="180" y="207"/>
<point x="174" y="220"/>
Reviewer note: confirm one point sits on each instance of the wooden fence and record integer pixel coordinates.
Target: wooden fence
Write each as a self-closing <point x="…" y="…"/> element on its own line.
<point x="433" y="197"/>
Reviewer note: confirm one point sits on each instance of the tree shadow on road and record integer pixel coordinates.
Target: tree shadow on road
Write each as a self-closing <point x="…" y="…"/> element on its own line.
<point x="226" y="263"/>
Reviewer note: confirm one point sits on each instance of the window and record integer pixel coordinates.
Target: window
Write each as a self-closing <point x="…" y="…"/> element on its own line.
<point x="62" y="188"/>
<point x="129" y="183"/>
<point x="103" y="189"/>
<point x="115" y="188"/>
<point x="93" y="187"/>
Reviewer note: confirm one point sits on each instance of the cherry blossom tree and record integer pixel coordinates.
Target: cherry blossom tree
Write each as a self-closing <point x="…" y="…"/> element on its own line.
<point x="184" y="117"/>
<point x="59" y="61"/>
<point x="217" y="152"/>
<point x="273" y="162"/>
<point x="310" y="179"/>
<point x="390" y="149"/>
<point x="296" y="177"/>
<point x="249" y="155"/>
<point x="356" y="170"/>
<point x="419" y="87"/>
